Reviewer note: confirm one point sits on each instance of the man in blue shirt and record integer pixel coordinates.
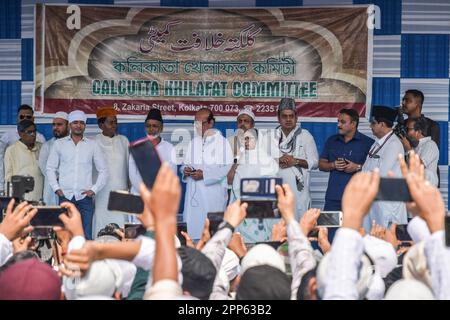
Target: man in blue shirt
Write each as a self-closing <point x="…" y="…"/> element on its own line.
<point x="343" y="155"/>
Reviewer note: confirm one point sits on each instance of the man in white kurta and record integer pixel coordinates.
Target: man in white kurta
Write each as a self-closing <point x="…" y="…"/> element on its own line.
<point x="298" y="155"/>
<point x="60" y="130"/>
<point x="24" y="112"/>
<point x="384" y="156"/>
<point x="207" y="161"/>
<point x="115" y="151"/>
<point x="21" y="158"/>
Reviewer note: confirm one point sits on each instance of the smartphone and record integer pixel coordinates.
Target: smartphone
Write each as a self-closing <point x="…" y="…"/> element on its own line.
<point x="133" y="230"/>
<point x="393" y="189"/>
<point x="181" y="226"/>
<point x="126" y="202"/>
<point x="261" y="197"/>
<point x="215" y="218"/>
<point x="447" y="230"/>
<point x="330" y="219"/>
<point x="147" y="160"/>
<point x="259" y="188"/>
<point x="262" y="209"/>
<point x="402" y="233"/>
<point x="47" y="216"/>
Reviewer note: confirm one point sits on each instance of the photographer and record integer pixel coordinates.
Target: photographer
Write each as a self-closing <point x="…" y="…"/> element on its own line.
<point x="412" y="103"/>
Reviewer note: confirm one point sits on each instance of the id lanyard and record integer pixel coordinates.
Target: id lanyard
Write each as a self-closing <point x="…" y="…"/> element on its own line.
<point x="374" y="151"/>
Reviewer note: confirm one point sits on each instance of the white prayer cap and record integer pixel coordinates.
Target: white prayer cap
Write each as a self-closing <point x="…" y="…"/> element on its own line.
<point x="262" y="254"/>
<point x="382" y="253"/>
<point x="230" y="264"/>
<point x="365" y="273"/>
<point x="61" y="115"/>
<point x="248" y="112"/>
<point x="409" y="289"/>
<point x="77" y="115"/>
<point x="415" y="265"/>
<point x="102" y="279"/>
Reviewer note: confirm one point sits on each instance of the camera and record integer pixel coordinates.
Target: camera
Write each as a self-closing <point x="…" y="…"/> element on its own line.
<point x="16" y="189"/>
<point x="400" y="128"/>
<point x="110" y="230"/>
<point x="133" y="230"/>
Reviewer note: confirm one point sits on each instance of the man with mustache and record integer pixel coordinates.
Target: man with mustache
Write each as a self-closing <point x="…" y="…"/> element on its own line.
<point x="424" y="146"/>
<point x="343" y="155"/>
<point x="298" y="155"/>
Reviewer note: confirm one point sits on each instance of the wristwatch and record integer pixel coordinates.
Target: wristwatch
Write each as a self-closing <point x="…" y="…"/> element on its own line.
<point x="224" y="225"/>
<point x="359" y="167"/>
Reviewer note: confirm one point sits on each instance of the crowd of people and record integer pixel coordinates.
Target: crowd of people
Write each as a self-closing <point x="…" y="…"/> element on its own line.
<point x="92" y="259"/>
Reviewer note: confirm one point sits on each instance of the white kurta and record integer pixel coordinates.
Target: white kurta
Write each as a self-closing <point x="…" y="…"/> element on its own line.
<point x="305" y="148"/>
<point x="115" y="152"/>
<point x="49" y="196"/>
<point x="384" y="212"/>
<point x="19" y="160"/>
<point x="214" y="157"/>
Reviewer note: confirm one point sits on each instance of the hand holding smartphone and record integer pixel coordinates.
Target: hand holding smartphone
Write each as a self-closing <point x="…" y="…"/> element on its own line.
<point x="48" y="216"/>
<point x="147" y="160"/>
<point x="393" y="189"/>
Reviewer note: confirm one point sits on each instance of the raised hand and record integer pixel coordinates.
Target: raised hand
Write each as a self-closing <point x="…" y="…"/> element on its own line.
<point x="358" y="197"/>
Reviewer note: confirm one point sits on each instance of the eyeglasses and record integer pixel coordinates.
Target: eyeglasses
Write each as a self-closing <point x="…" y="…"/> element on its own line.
<point x="25" y="116"/>
<point x="30" y="132"/>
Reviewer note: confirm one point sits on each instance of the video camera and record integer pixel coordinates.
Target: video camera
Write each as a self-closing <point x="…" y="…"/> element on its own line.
<point x="46" y="217"/>
<point x="400" y="128"/>
<point x="16" y="189"/>
<point x="44" y="220"/>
